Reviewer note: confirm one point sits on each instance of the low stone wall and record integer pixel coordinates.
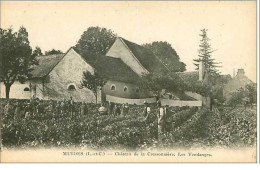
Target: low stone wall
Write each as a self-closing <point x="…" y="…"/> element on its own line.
<point x="129" y="101"/>
<point x="180" y="103"/>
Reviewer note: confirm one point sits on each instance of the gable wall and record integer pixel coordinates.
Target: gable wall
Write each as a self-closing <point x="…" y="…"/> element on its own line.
<point x="68" y="71"/>
<point x="119" y="50"/>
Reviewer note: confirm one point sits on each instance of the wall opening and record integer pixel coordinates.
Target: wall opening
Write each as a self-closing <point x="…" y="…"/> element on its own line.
<point x="125" y="89"/>
<point x="26" y="89"/>
<point x="71" y="87"/>
<point x="113" y="87"/>
<point x="137" y="90"/>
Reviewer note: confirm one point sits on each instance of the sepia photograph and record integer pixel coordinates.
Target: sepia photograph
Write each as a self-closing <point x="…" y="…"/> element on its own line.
<point x="128" y="81"/>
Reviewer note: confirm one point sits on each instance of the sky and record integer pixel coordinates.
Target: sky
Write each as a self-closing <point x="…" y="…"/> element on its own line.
<point x="231" y="26"/>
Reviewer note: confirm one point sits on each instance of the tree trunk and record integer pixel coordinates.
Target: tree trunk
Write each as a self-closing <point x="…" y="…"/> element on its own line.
<point x="7" y="90"/>
<point x="96" y="97"/>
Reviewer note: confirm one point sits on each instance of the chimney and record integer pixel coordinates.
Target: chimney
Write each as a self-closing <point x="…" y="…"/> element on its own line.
<point x="240" y="72"/>
<point x="201" y="70"/>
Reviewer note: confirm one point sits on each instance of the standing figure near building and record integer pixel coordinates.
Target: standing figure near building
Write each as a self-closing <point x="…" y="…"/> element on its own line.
<point x="168" y="119"/>
<point x="125" y="109"/>
<point x="117" y="110"/>
<point x="150" y="121"/>
<point x="161" y="120"/>
<point x="147" y="109"/>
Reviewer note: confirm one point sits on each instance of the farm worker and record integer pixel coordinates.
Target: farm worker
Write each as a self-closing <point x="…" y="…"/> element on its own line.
<point x="117" y="110"/>
<point x="125" y="109"/>
<point x="102" y="110"/>
<point x="168" y="119"/>
<point x="147" y="109"/>
<point x="160" y="118"/>
<point x="151" y="122"/>
<point x="83" y="109"/>
<point x="71" y="107"/>
<point x="17" y="112"/>
<point x="110" y="107"/>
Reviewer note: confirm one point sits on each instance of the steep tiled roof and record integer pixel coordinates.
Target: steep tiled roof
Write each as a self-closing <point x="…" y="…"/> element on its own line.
<point x="112" y="68"/>
<point x="146" y="57"/>
<point x="46" y="64"/>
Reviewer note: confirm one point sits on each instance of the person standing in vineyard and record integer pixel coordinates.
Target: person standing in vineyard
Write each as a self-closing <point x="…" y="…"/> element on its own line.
<point x="151" y="122"/>
<point x="117" y="110"/>
<point x="160" y="118"/>
<point x="147" y="109"/>
<point x="168" y="119"/>
<point x="83" y="108"/>
<point x="110" y="107"/>
<point x="125" y="109"/>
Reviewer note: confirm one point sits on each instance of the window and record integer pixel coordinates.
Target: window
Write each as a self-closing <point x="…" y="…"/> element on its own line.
<point x="26" y="89"/>
<point x="125" y="89"/>
<point x="71" y="87"/>
<point x="137" y="90"/>
<point x="113" y="87"/>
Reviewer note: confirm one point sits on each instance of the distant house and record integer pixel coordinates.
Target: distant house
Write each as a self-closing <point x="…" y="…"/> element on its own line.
<point x="237" y="82"/>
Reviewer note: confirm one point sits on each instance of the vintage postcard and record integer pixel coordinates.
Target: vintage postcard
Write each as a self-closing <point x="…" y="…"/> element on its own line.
<point x="140" y="81"/>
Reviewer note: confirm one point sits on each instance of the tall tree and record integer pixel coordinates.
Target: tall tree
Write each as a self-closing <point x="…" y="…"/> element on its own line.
<point x="93" y="82"/>
<point x="205" y="55"/>
<point x="96" y="40"/>
<point x="168" y="56"/>
<point x="16" y="59"/>
<point x="53" y="51"/>
<point x="37" y="51"/>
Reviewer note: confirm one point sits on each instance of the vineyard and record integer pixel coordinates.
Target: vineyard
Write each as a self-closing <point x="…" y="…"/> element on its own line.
<point x="49" y="123"/>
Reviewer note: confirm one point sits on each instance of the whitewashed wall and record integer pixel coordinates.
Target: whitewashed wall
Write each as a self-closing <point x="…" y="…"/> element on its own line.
<point x="16" y="91"/>
<point x="129" y="101"/>
<point x="180" y="103"/>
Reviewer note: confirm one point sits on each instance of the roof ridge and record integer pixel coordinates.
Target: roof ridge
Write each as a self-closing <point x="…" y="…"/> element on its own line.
<point x="58" y="62"/>
<point x="50" y="55"/>
<point x="122" y="40"/>
<point x="147" y="50"/>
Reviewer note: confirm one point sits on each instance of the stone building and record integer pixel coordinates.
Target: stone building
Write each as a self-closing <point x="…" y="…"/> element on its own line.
<point x="237" y="82"/>
<point x="58" y="76"/>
